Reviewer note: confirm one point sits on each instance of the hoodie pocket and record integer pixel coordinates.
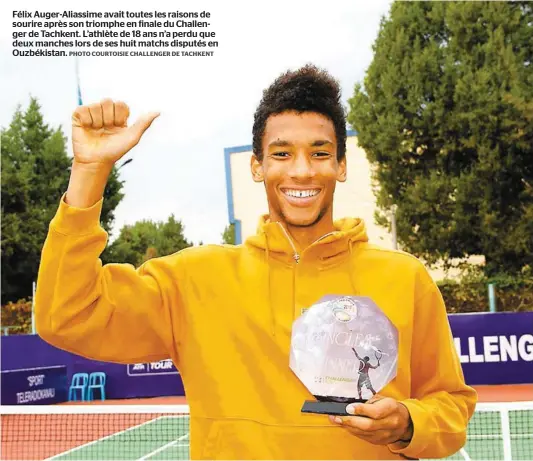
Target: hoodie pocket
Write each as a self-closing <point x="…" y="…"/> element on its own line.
<point x="244" y="439"/>
<point x="234" y="439"/>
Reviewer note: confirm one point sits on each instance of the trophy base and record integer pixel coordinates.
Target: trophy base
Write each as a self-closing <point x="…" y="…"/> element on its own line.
<point x="328" y="408"/>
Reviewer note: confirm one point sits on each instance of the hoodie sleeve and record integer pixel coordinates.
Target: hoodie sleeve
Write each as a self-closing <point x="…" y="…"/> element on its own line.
<point x="112" y="312"/>
<point x="442" y="404"/>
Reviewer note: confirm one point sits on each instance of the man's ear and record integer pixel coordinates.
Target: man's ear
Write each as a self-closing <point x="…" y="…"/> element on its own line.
<point x="256" y="166"/>
<point x="342" y="173"/>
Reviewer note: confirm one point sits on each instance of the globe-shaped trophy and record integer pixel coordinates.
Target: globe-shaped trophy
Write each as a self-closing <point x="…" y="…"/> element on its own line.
<point x="344" y="349"/>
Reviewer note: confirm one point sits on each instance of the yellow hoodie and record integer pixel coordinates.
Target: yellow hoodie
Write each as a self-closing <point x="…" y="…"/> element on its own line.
<point x="223" y="314"/>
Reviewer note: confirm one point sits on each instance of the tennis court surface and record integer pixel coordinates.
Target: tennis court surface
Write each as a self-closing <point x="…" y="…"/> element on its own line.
<point x="96" y="432"/>
<point x="498" y="431"/>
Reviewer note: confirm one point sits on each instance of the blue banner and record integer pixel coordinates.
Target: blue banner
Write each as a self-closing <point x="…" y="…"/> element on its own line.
<point x="29" y="351"/>
<point x="34" y="386"/>
<point x="495" y="348"/>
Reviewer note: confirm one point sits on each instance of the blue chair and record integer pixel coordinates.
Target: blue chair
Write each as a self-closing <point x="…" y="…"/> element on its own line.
<point x="79" y="382"/>
<point x="96" y="381"/>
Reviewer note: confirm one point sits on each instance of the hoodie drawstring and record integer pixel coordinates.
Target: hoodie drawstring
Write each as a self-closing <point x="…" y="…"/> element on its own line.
<point x="269" y="289"/>
<point x="296" y="258"/>
<point x="352" y="273"/>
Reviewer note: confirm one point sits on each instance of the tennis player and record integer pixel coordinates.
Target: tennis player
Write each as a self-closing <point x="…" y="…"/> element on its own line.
<point x="224" y="313"/>
<point x="364" y="368"/>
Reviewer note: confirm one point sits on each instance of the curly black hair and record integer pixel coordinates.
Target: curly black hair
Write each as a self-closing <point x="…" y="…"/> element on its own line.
<point x="308" y="89"/>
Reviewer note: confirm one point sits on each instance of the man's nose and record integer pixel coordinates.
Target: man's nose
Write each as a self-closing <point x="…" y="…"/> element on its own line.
<point x="301" y="167"/>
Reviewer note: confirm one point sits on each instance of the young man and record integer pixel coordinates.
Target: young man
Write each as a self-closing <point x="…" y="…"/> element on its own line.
<point x="224" y="314"/>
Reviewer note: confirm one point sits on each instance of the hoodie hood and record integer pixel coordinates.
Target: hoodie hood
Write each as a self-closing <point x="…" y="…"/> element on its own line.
<point x="275" y="239"/>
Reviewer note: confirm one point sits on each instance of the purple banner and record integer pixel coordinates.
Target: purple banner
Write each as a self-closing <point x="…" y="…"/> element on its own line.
<point x="34" y="386"/>
<point x="495" y="348"/>
<point x="30" y="351"/>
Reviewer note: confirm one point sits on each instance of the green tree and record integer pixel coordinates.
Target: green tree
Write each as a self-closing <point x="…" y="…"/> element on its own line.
<point x="228" y="236"/>
<point x="145" y="240"/>
<point x="446" y="118"/>
<point x="35" y="174"/>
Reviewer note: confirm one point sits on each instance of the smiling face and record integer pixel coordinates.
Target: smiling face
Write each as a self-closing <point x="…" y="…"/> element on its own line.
<point x="300" y="169"/>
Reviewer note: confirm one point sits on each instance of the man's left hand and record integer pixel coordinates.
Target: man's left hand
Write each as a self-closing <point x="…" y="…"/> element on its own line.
<point x="380" y="421"/>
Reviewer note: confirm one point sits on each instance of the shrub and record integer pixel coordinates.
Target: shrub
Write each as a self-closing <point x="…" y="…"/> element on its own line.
<point x="470" y="293"/>
<point x="16" y="317"/>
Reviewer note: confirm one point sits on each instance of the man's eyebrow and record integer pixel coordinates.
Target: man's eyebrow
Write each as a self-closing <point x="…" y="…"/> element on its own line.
<point x="283" y="143"/>
<point x="279" y="143"/>
<point x="321" y="142"/>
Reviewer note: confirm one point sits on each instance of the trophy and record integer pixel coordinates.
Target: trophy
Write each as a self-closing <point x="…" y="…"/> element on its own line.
<point x="344" y="349"/>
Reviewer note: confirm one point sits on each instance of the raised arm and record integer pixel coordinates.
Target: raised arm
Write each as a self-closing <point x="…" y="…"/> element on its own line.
<point x="356" y="354"/>
<point x="114" y="312"/>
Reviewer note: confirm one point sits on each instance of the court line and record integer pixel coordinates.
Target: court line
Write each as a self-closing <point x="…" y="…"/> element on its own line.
<point x="465" y="455"/>
<point x="169" y="410"/>
<point x="164" y="447"/>
<point x="85" y="445"/>
<point x="498" y="437"/>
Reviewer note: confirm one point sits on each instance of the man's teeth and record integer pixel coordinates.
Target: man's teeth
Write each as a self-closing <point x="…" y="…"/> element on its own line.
<point x="302" y="193"/>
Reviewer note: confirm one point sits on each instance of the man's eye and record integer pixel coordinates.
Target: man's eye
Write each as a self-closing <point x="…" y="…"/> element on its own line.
<point x="321" y="154"/>
<point x="280" y="154"/>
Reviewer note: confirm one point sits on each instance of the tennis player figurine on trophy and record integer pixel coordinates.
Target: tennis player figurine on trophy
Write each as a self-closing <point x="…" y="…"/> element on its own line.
<point x="344" y="349"/>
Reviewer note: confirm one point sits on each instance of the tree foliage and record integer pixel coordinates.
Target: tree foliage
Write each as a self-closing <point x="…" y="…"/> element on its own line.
<point x="35" y="174"/>
<point x="228" y="236"/>
<point x="145" y="240"/>
<point x="446" y="118"/>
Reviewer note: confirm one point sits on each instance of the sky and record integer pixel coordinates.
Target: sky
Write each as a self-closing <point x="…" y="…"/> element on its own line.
<point x="206" y="103"/>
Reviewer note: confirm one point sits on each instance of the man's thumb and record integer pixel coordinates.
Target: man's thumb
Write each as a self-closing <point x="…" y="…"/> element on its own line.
<point x="142" y="124"/>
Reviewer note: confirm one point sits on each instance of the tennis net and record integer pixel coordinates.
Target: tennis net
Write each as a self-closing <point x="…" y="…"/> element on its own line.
<point x="95" y="432"/>
<point x="498" y="431"/>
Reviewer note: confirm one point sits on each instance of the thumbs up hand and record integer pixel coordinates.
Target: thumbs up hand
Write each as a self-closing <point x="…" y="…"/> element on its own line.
<point x="100" y="132"/>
